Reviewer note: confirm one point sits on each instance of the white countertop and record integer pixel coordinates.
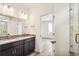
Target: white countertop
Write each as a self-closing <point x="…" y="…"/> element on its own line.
<point x="5" y="41"/>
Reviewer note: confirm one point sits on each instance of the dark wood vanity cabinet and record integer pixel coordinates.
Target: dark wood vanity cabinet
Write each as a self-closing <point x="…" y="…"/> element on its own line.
<point x="15" y="51"/>
<point x="32" y="45"/>
<point x="12" y="49"/>
<point x="7" y="52"/>
<point x="29" y="46"/>
<point x="19" y="48"/>
<point x="26" y="47"/>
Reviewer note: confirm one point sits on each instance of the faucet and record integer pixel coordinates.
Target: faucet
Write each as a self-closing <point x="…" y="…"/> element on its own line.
<point x="8" y="36"/>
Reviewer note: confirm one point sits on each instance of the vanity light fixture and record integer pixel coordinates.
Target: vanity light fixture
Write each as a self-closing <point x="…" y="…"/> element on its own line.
<point x="22" y="13"/>
<point x="1" y="23"/>
<point x="5" y="20"/>
<point x="11" y="8"/>
<point x="26" y="15"/>
<point x="0" y="19"/>
<point x="5" y="6"/>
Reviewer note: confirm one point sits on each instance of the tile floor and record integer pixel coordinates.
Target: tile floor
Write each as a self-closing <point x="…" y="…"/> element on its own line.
<point x="38" y="54"/>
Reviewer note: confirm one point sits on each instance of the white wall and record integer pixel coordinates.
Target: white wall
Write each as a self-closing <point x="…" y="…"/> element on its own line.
<point x="35" y="14"/>
<point x="61" y="12"/>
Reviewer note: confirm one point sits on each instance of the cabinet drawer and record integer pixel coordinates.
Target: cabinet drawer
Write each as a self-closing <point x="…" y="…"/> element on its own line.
<point x="18" y="50"/>
<point x="26" y="49"/>
<point x="32" y="43"/>
<point x="15" y="51"/>
<point x="10" y="45"/>
<point x="6" y="52"/>
<point x="29" y="39"/>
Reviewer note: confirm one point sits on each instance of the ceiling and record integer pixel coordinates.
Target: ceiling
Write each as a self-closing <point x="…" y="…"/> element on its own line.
<point x="31" y="5"/>
<point x="38" y="5"/>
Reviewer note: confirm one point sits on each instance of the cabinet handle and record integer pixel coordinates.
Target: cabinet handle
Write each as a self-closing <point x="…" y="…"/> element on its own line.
<point x="76" y="38"/>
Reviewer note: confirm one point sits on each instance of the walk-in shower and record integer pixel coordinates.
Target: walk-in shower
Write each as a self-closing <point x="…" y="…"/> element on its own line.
<point x="74" y="28"/>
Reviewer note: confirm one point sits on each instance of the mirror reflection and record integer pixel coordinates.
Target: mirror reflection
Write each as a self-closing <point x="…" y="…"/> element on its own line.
<point x="10" y="25"/>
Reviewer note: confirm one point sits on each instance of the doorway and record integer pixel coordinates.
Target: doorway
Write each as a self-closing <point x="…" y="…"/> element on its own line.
<point x="48" y="34"/>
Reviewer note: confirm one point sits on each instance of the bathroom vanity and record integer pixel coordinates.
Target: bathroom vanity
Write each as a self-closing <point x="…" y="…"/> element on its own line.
<point x="19" y="46"/>
<point x="13" y="41"/>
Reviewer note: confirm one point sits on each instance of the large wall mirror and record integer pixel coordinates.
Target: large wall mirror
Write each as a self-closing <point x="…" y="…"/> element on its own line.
<point x="3" y="25"/>
<point x="10" y="25"/>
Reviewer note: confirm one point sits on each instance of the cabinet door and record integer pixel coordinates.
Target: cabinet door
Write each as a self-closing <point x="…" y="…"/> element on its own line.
<point x="32" y="45"/>
<point x="12" y="49"/>
<point x="26" y="48"/>
<point x="18" y="50"/>
<point x="7" y="52"/>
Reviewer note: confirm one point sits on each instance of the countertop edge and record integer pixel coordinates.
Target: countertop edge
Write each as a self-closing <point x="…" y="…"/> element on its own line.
<point x="6" y="41"/>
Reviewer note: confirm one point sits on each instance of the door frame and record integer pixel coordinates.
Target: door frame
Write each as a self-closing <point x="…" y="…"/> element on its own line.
<point x="53" y="17"/>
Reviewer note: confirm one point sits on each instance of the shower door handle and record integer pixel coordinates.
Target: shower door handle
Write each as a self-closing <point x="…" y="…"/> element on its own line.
<point x="77" y="38"/>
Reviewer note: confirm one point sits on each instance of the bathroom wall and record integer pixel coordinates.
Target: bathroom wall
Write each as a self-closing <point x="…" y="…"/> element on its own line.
<point x="35" y="13"/>
<point x="16" y="14"/>
<point x="61" y="12"/>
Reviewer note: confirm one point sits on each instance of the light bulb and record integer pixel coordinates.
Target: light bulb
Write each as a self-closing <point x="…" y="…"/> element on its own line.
<point x="11" y="8"/>
<point x="5" y="20"/>
<point x="26" y="15"/>
<point x="5" y="6"/>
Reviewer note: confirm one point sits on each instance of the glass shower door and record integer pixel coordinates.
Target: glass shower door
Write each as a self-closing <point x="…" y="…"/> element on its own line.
<point x="74" y="29"/>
